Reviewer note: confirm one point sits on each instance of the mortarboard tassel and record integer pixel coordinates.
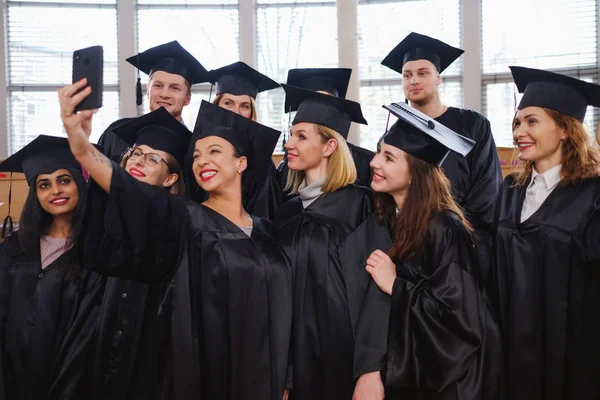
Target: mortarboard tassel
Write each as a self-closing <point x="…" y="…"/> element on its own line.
<point x="7" y="224"/>
<point x="138" y="92"/>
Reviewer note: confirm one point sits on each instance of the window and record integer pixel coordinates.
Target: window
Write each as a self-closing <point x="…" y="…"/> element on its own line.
<point x="40" y="44"/>
<point x="556" y="35"/>
<point x="381" y="26"/>
<point x="209" y="30"/>
<point x="292" y="34"/>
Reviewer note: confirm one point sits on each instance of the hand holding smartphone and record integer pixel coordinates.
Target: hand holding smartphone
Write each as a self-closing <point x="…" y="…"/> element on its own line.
<point x="89" y="63"/>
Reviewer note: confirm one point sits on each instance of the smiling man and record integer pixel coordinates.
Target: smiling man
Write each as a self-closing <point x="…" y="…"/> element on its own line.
<point x="173" y="71"/>
<point x="475" y="178"/>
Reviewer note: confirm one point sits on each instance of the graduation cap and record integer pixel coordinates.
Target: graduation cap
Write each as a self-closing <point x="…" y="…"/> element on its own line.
<point x="332" y="80"/>
<point x="422" y="137"/>
<point x="169" y="57"/>
<point x="159" y="130"/>
<point x="558" y="92"/>
<point x="240" y="79"/>
<point x="420" y="47"/>
<point x="330" y="111"/>
<point x="249" y="138"/>
<point x="43" y="155"/>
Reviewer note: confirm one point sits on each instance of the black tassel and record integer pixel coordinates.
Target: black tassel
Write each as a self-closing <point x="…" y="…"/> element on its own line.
<point x="405" y="100"/>
<point x="7" y="224"/>
<point x="138" y="92"/>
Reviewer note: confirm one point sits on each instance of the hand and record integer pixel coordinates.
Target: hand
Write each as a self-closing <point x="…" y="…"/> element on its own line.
<point x="369" y="387"/>
<point x="286" y="394"/>
<point x="382" y="269"/>
<point x="77" y="124"/>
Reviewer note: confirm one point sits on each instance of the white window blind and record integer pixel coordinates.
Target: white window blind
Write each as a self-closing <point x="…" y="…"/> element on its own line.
<point x="382" y="24"/>
<point x="556" y="35"/>
<point x="208" y="29"/>
<point x="40" y="43"/>
<point x="292" y="34"/>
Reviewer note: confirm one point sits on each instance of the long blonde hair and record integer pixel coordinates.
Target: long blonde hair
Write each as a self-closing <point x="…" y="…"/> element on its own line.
<point x="178" y="188"/>
<point x="580" y="159"/>
<point x="341" y="170"/>
<point x="253" y="116"/>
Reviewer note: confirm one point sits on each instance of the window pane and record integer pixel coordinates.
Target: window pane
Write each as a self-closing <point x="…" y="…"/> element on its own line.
<point x="538" y="34"/>
<point x="294" y="1"/>
<point x="382" y="26"/>
<point x="210" y="35"/>
<point x="190" y="2"/>
<point x="292" y="37"/>
<point x="66" y="2"/>
<point x="373" y="97"/>
<point x="269" y="106"/>
<point x="500" y="104"/>
<point x="41" y="44"/>
<point x="37" y="113"/>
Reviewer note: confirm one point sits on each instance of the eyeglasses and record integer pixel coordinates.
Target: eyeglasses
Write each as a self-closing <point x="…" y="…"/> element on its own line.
<point x="151" y="159"/>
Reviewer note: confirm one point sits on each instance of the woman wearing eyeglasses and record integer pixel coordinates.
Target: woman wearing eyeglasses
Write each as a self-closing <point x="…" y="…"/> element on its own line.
<point x="228" y="298"/>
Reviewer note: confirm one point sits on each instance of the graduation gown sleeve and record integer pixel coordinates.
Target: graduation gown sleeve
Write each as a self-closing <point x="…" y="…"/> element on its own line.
<point x="141" y="231"/>
<point x="442" y="336"/>
<point x="369" y="306"/>
<point x="486" y="178"/>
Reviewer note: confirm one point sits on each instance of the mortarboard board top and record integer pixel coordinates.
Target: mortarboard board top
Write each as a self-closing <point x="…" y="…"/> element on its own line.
<point x="159" y="130"/>
<point x="251" y="139"/>
<point x="240" y="79"/>
<point x="330" y="111"/>
<point x="172" y="58"/>
<point x="331" y="80"/>
<point x="558" y="92"/>
<point x="420" y="47"/>
<point x="423" y="137"/>
<point x="43" y="155"/>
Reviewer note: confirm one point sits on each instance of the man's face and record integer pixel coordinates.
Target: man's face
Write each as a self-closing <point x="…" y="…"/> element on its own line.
<point x="169" y="91"/>
<point x="420" y="81"/>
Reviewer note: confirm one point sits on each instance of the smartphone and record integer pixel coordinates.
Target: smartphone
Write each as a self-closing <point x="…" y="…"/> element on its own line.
<point x="89" y="63"/>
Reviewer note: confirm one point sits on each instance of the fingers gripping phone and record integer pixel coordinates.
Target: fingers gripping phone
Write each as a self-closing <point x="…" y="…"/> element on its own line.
<point x="89" y="63"/>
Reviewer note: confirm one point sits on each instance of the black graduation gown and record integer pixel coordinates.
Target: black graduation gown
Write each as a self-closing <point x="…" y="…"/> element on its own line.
<point x="229" y="293"/>
<point x="113" y="146"/>
<point x="475" y="178"/>
<point x="546" y="283"/>
<point x="130" y="333"/>
<point x="340" y="315"/>
<point x="362" y="158"/>
<point x="40" y="310"/>
<point x="443" y="343"/>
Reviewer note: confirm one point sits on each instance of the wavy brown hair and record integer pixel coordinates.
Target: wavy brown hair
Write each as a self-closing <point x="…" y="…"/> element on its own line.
<point x="428" y="195"/>
<point x="580" y="160"/>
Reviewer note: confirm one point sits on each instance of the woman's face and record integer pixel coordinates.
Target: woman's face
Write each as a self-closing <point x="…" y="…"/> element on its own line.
<point x="57" y="192"/>
<point x="150" y="166"/>
<point x="241" y="105"/>
<point x="537" y="136"/>
<point x="305" y="148"/>
<point x="391" y="172"/>
<point x="215" y="165"/>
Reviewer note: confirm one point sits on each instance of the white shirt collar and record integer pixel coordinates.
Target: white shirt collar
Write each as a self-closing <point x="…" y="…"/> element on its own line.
<point x="551" y="177"/>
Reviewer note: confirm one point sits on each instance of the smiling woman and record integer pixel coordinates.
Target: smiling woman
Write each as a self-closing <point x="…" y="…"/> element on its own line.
<point x="41" y="282"/>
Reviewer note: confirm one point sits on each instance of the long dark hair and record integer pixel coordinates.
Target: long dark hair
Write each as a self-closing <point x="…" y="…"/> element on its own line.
<point x="428" y="194"/>
<point x="35" y="222"/>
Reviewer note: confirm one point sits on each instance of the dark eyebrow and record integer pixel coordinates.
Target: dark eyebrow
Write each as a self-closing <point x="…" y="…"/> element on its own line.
<point x="63" y="175"/>
<point x="389" y="154"/>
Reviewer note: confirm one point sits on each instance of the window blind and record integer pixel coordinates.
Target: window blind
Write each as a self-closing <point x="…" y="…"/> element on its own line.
<point x="39" y="61"/>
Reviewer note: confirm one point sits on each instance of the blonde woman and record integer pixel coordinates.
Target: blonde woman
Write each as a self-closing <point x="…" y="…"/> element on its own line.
<point x="328" y="232"/>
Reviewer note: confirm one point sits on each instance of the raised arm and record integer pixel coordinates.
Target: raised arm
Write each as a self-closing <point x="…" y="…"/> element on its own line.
<point x="79" y="127"/>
